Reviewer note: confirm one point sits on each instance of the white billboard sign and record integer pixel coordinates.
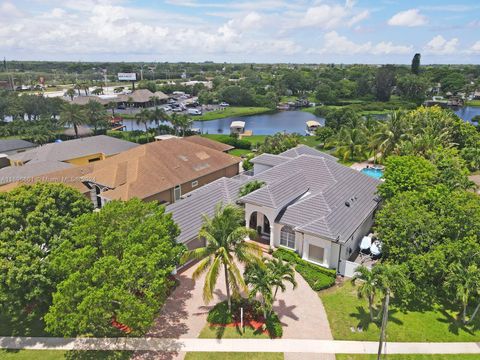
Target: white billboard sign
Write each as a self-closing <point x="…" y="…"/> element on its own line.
<point x="127" y="76"/>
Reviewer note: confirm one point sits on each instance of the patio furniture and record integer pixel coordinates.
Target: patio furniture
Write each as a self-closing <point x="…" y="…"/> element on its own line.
<point x="376" y="249"/>
<point x="365" y="244"/>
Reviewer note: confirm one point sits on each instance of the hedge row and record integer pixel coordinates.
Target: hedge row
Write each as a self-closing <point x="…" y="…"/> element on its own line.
<point x="317" y="277"/>
<point x="233" y="141"/>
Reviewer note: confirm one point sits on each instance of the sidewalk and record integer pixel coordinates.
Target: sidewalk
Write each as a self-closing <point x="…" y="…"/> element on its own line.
<point x="235" y="345"/>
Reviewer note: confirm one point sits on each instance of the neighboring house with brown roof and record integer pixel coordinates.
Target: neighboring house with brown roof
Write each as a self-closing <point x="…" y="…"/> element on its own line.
<point x="199" y="140"/>
<point x="138" y="98"/>
<point x="162" y="171"/>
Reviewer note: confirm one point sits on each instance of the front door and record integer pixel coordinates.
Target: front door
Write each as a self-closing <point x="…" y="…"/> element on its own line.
<point x="266" y="225"/>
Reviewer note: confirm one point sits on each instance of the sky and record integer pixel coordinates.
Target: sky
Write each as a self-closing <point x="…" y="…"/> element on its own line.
<point x="262" y="31"/>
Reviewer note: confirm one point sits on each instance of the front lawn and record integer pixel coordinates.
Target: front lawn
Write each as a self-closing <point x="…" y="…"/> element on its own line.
<point x="239" y="152"/>
<point x="233" y="356"/>
<point x="231" y="111"/>
<point x="63" y="355"/>
<point x="346" y="312"/>
<point x="216" y="332"/>
<point x="409" y="357"/>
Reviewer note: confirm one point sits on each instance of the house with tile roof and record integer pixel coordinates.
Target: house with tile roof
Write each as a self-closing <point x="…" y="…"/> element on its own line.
<point x="163" y="171"/>
<point x="309" y="203"/>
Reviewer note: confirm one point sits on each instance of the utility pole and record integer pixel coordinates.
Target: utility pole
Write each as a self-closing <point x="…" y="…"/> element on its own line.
<point x="384" y="324"/>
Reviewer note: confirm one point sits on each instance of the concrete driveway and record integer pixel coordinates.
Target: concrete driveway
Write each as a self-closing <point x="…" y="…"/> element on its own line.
<point x="184" y="314"/>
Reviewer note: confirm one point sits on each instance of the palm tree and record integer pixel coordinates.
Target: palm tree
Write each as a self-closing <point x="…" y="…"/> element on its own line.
<point x="351" y="143"/>
<point x="157" y="115"/>
<point x="225" y="236"/>
<point x="77" y="87"/>
<point x="70" y="93"/>
<point x="143" y="117"/>
<point x="368" y="287"/>
<point x="250" y="187"/>
<point x="390" y="133"/>
<point x="112" y="105"/>
<point x="72" y="114"/>
<point x="181" y="121"/>
<point x="96" y="115"/>
<point x="266" y="279"/>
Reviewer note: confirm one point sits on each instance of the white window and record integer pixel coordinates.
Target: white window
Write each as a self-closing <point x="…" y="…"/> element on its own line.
<point x="316" y="253"/>
<point x="194" y="183"/>
<point x="177" y="192"/>
<point x="287" y="237"/>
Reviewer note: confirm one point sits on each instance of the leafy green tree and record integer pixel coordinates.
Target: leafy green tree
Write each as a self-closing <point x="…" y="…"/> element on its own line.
<point x="415" y="68"/>
<point x="73" y="114"/>
<point x="324" y="133"/>
<point x="338" y="118"/>
<point x="114" y="264"/>
<point x="250" y="187"/>
<point x="452" y="169"/>
<point x="385" y="80"/>
<point x="278" y="143"/>
<point x="225" y="236"/>
<point x="237" y="95"/>
<point x="325" y="93"/>
<point x="404" y="173"/>
<point x="412" y="88"/>
<point x="32" y="219"/>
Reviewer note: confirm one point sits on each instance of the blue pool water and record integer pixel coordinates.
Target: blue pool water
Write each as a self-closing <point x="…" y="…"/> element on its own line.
<point x="374" y="173"/>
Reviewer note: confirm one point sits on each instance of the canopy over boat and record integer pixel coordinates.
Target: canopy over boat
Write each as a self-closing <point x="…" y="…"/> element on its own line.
<point x="313" y="123"/>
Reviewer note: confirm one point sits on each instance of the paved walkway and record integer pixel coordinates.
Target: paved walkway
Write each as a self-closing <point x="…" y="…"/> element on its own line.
<point x="307" y="346"/>
<point x="184" y="314"/>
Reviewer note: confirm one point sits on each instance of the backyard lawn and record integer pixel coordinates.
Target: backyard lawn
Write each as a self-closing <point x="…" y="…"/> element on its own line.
<point x="233" y="356"/>
<point x="346" y="312"/>
<point x="409" y="357"/>
<point x="231" y="111"/>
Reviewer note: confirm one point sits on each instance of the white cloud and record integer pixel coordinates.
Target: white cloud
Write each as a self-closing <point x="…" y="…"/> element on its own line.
<point x="338" y="44"/>
<point x="475" y="48"/>
<point x="359" y="17"/>
<point x="408" y="18"/>
<point x="440" y="46"/>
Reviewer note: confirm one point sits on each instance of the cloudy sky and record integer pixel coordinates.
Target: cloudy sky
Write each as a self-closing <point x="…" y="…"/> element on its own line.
<point x="312" y="31"/>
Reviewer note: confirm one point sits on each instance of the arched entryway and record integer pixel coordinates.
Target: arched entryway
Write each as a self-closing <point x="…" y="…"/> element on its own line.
<point x="261" y="224"/>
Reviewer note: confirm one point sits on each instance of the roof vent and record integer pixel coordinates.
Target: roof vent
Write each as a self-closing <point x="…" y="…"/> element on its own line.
<point x="347" y="204"/>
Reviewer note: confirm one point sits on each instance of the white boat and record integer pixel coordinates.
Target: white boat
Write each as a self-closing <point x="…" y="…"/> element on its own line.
<point x="237" y="127"/>
<point x="312" y="126"/>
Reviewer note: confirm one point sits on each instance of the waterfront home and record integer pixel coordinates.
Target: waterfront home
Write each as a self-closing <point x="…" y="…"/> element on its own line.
<point x="309" y="204"/>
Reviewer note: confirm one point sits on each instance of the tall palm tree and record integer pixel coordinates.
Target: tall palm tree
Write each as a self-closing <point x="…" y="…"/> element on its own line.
<point x="351" y="143"/>
<point x="96" y="115"/>
<point x="280" y="272"/>
<point x="390" y="133"/>
<point x="158" y="115"/>
<point x="70" y="93"/>
<point x="112" y="105"/>
<point x="225" y="236"/>
<point x="143" y="117"/>
<point x="72" y="114"/>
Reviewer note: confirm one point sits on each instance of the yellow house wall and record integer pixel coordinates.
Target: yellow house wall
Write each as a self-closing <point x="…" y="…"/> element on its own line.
<point x="84" y="160"/>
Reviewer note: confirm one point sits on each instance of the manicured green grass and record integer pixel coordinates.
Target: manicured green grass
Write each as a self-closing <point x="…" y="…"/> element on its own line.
<point x="231" y="111"/>
<point x="216" y="332"/>
<point x="409" y="357"/>
<point x="239" y="152"/>
<point x="62" y="355"/>
<point x="345" y="311"/>
<point x="233" y="356"/>
<point x="473" y="103"/>
<point x="251" y="139"/>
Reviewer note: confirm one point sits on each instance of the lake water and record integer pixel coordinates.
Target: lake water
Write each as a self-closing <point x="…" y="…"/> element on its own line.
<point x="267" y="124"/>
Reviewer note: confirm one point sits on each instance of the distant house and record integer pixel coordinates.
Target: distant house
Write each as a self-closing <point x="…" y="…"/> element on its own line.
<point x="61" y="156"/>
<point x="13" y="146"/>
<point x="138" y="98"/>
<point x="310" y="204"/>
<point x="163" y="171"/>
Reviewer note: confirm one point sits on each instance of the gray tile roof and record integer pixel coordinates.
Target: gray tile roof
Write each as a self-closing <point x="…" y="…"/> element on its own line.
<point x="18" y="173"/>
<point x="278" y="194"/>
<point x="14" y="144"/>
<point x="309" y="192"/>
<point x="269" y="159"/>
<point x="72" y="149"/>
<point x="306" y="150"/>
<point x="188" y="213"/>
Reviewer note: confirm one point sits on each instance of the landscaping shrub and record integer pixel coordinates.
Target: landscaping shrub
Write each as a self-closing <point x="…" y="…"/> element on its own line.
<point x="317" y="277"/>
<point x="235" y="142"/>
<point x="273" y="325"/>
<point x="252" y="309"/>
<point x="219" y="314"/>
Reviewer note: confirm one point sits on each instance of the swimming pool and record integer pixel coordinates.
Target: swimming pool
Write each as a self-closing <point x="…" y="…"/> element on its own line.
<point x="375" y="173"/>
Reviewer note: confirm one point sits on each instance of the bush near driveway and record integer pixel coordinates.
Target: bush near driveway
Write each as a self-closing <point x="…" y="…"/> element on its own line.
<point x="317" y="277"/>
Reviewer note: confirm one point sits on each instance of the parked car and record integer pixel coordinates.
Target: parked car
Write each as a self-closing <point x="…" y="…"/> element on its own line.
<point x="194" y="112"/>
<point x="177" y="109"/>
<point x="224" y="104"/>
<point x="167" y="108"/>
